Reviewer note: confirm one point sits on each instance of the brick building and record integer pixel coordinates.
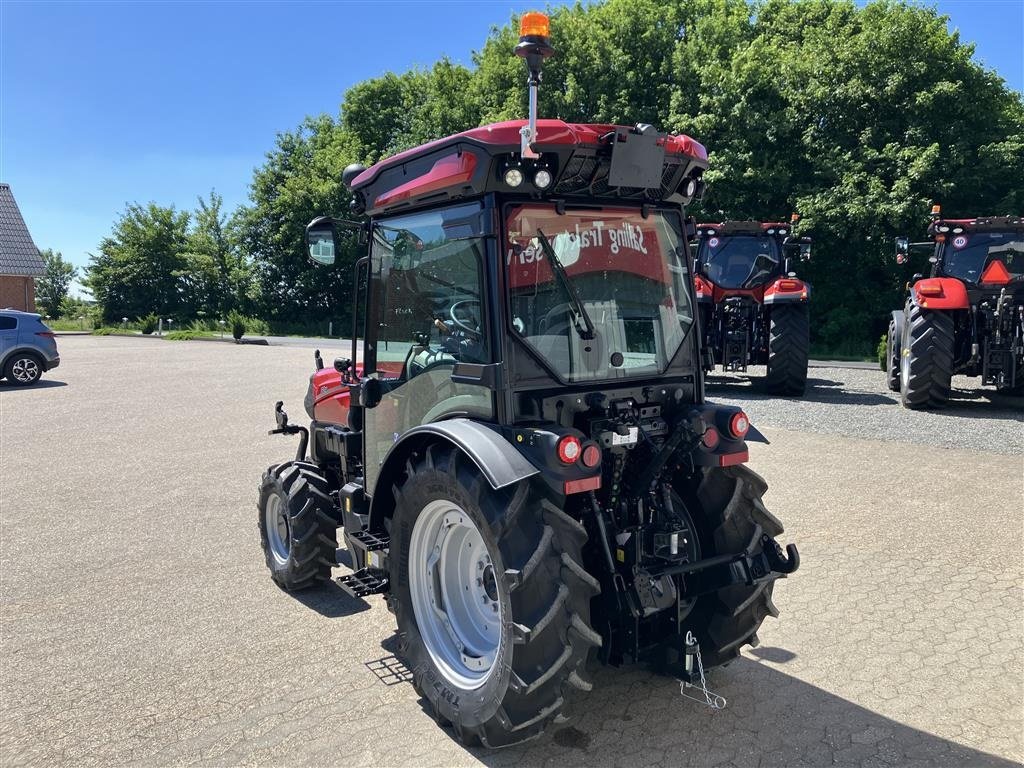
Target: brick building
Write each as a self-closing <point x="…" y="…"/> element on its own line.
<point x="20" y="262"/>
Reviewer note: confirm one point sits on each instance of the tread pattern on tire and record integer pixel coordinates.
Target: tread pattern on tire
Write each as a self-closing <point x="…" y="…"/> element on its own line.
<point x="314" y="521"/>
<point x="788" y="349"/>
<point x="732" y="501"/>
<point x="550" y="594"/>
<point x="928" y="339"/>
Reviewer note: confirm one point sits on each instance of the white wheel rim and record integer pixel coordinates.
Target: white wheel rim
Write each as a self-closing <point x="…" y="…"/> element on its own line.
<point x="455" y="597"/>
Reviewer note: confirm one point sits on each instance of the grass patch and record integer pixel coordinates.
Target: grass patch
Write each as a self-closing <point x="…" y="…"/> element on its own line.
<point x="189" y="335"/>
<point x="106" y="330"/>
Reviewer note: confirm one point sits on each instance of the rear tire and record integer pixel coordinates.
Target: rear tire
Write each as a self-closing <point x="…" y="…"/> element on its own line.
<point x="788" y="349"/>
<point x="298" y="524"/>
<point x="23" y="369"/>
<point x="732" y="518"/>
<point x="926" y="358"/>
<point x="538" y="590"/>
<point x="892" y="358"/>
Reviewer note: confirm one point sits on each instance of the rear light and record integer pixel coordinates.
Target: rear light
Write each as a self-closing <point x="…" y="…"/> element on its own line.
<point x="46" y="334"/>
<point x="732" y="459"/>
<point x="591" y="456"/>
<point x="929" y="289"/>
<point x="738" y="425"/>
<point x="569" y="449"/>
<point x="790" y="285"/>
<point x="711" y="438"/>
<point x="582" y="486"/>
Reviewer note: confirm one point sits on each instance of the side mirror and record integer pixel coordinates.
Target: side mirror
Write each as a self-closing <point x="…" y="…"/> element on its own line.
<point x="370" y="392"/>
<point x="902" y="250"/>
<point x="321" y="240"/>
<point x="805" y="249"/>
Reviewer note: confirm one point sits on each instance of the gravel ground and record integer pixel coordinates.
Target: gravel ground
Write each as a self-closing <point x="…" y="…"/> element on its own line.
<point x="138" y="625"/>
<point x="857" y="403"/>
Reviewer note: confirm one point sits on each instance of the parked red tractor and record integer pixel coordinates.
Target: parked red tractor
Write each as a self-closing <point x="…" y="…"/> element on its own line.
<point x="753" y="308"/>
<point x="967" y="317"/>
<point x="523" y="462"/>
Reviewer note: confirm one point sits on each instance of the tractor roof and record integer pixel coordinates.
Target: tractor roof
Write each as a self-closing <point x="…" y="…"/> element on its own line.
<point x="577" y="155"/>
<point x="744" y="228"/>
<point x="979" y="224"/>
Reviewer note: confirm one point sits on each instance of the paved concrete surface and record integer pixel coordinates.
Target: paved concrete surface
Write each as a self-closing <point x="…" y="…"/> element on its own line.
<point x="138" y="625"/>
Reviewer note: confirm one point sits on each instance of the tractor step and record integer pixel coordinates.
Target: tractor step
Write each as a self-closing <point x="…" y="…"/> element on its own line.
<point x="365" y="581"/>
<point x="371" y="542"/>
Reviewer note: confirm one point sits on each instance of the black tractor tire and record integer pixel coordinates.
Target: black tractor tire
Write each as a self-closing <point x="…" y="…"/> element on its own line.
<point x="892" y="357"/>
<point x="304" y="549"/>
<point x="926" y="358"/>
<point x="543" y="589"/>
<point x="731" y="518"/>
<point x="23" y="369"/>
<point x="788" y="349"/>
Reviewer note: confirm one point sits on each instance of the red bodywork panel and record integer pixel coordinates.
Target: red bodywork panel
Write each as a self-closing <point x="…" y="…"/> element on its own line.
<point x="330" y="397"/>
<point x="448" y="171"/>
<point x="940" y="293"/>
<point x="549" y="132"/>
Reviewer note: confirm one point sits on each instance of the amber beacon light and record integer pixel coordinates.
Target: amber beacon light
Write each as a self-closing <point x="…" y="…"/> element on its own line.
<point x="534" y="46"/>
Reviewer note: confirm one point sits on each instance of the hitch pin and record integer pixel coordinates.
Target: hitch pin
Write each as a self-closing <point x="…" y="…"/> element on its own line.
<point x="691" y="654"/>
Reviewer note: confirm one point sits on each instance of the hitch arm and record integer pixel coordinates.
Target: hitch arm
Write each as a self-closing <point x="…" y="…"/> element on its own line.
<point x="284" y="428"/>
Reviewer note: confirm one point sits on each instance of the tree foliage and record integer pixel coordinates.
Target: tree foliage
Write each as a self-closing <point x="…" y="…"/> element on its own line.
<point x="52" y="288"/>
<point x="857" y="117"/>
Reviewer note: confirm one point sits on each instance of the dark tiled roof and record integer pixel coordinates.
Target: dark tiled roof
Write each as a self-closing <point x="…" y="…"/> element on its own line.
<point x="18" y="254"/>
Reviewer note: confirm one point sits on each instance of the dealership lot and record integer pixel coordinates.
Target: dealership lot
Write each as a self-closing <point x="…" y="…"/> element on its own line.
<point x="138" y="624"/>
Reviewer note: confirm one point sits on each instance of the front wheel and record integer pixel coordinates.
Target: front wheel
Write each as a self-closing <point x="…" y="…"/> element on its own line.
<point x="892" y="357"/>
<point x="298" y="524"/>
<point x="788" y="349"/>
<point x="491" y="599"/>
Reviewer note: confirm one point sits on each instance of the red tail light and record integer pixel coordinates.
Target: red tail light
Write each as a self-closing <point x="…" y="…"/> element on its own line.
<point x="569" y="449"/>
<point x="711" y="438"/>
<point x="790" y="285"/>
<point x="995" y="273"/>
<point x="929" y="288"/>
<point x="47" y="334"/>
<point x="738" y="425"/>
<point x="591" y="456"/>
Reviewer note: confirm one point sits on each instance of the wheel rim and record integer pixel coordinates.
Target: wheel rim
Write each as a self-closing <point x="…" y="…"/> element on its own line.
<point x="25" y="370"/>
<point x="455" y="594"/>
<point x="278" y="529"/>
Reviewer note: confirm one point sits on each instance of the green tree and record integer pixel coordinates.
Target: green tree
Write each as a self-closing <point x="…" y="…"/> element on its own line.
<point x="215" y="276"/>
<point x="137" y="270"/>
<point x="52" y="288"/>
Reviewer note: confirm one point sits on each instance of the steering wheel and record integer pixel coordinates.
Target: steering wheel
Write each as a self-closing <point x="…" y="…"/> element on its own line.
<point x="468" y="325"/>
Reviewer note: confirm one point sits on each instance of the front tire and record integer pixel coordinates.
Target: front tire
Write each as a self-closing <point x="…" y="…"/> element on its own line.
<point x="298" y="524"/>
<point x="892" y="357"/>
<point x="926" y="358"/>
<point x="23" y="369"/>
<point x="788" y="349"/>
<point x="518" y="555"/>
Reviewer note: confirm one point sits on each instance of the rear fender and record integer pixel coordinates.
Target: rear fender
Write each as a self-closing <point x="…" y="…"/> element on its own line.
<point x="497" y="459"/>
<point x="940" y="293"/>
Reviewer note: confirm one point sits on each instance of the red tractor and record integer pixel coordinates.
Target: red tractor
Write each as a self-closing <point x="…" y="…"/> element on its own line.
<point x="967" y="317"/>
<point x="523" y="462"/>
<point x="753" y="307"/>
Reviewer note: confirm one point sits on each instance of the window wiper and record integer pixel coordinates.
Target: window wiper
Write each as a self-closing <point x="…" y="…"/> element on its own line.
<point x="579" y="311"/>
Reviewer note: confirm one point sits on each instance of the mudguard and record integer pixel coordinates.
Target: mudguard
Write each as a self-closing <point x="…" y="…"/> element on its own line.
<point x="940" y="293"/>
<point x="497" y="459"/>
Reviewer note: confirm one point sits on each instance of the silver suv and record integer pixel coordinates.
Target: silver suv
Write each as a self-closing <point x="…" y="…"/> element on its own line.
<point x="27" y="348"/>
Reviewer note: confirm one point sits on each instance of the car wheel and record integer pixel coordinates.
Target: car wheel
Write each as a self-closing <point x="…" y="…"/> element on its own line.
<point x="23" y="369"/>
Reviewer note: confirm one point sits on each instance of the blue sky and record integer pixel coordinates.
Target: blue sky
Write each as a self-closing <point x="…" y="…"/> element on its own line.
<point x="102" y="104"/>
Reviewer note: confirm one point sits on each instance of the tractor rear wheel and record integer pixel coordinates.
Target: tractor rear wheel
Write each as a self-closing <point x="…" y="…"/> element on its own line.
<point x="730" y="518"/>
<point x="298" y="524"/>
<point x="926" y="358"/>
<point x="892" y="357"/>
<point x="788" y="348"/>
<point x="491" y="598"/>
